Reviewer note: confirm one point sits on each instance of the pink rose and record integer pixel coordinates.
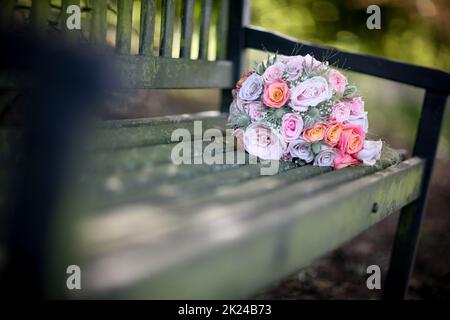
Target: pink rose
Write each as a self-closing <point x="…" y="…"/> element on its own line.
<point x="294" y="68"/>
<point x="311" y="92"/>
<point x="276" y="94"/>
<point x="352" y="139"/>
<point x="371" y="152"/>
<point x="342" y="160"/>
<point x="274" y="72"/>
<point x="291" y="126"/>
<point x="340" y="112"/>
<point x="310" y="64"/>
<point x="255" y="110"/>
<point x="356" y="105"/>
<point x="337" y="80"/>
<point x="261" y="141"/>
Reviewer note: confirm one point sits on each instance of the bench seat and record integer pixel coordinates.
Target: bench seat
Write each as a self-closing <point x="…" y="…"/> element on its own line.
<point x="143" y="227"/>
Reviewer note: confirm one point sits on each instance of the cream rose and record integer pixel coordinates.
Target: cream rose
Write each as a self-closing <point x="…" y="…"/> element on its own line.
<point x="261" y="141"/>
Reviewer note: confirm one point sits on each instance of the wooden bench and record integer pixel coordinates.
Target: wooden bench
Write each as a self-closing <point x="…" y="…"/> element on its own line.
<point x="140" y="226"/>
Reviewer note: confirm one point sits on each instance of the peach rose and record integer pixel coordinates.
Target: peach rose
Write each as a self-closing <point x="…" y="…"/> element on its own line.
<point x="352" y="139"/>
<point x="315" y="133"/>
<point x="342" y="160"/>
<point x="333" y="133"/>
<point x="276" y="94"/>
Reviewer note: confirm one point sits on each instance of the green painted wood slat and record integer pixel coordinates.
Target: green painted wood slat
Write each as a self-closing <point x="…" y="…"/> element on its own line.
<point x="162" y="120"/>
<point x="148" y="10"/>
<point x="205" y="25"/>
<point x="162" y="72"/>
<point x="187" y="28"/>
<point x="222" y="29"/>
<point x="107" y="139"/>
<point x="318" y="180"/>
<point x="190" y="186"/>
<point x="40" y="12"/>
<point x="167" y="28"/>
<point x="98" y="23"/>
<point x="124" y="26"/>
<point x="230" y="240"/>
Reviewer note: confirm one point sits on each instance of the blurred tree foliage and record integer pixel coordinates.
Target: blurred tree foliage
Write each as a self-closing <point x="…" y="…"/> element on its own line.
<point x="416" y="31"/>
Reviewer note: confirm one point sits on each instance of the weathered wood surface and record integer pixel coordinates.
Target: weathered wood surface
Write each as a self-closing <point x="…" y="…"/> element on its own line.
<point x="167" y="28"/>
<point x="181" y="256"/>
<point x="171" y="119"/>
<point x="147" y="32"/>
<point x="98" y="23"/>
<point x="163" y="72"/>
<point x="124" y="26"/>
<point x="40" y="12"/>
<point x="130" y="133"/>
<point x="222" y="29"/>
<point x="187" y="28"/>
<point x="143" y="135"/>
<point x="184" y="189"/>
<point x="206" y="11"/>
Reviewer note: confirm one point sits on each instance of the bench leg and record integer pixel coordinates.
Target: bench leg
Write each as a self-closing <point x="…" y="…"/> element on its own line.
<point x="408" y="229"/>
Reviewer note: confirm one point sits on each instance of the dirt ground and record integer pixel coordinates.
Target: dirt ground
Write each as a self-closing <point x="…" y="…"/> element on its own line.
<point x="342" y="273"/>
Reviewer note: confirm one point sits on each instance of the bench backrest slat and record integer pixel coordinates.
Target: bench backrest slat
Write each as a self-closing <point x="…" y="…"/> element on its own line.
<point x="204" y="29"/>
<point x="147" y="30"/>
<point x="167" y="28"/>
<point x="124" y="25"/>
<point x="98" y="23"/>
<point x="40" y="12"/>
<point x="154" y="63"/>
<point x="187" y="28"/>
<point x="222" y="29"/>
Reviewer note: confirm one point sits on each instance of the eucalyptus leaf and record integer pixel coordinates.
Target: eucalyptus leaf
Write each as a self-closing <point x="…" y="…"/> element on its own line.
<point x="315" y="147"/>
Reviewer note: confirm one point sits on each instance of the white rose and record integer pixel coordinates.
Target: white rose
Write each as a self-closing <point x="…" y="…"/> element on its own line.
<point x="360" y="120"/>
<point x="371" y="152"/>
<point x="261" y="141"/>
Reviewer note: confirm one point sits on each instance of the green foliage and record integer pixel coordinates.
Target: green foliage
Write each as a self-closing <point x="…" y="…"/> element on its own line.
<point x="410" y="31"/>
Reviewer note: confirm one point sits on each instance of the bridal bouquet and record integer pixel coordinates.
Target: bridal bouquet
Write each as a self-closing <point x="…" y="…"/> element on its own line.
<point x="299" y="108"/>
